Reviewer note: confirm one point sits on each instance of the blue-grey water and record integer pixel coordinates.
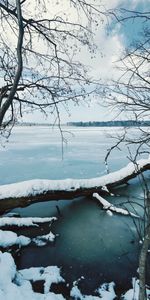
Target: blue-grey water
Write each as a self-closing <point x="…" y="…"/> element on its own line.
<point x="90" y="243"/>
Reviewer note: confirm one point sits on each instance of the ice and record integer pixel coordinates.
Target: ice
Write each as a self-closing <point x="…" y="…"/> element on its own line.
<point x="35" y="152"/>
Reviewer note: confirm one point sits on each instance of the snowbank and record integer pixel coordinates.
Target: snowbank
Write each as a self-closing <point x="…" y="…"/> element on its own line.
<point x="39" y="186"/>
<point x="49" y="275"/>
<point x="16" y="285"/>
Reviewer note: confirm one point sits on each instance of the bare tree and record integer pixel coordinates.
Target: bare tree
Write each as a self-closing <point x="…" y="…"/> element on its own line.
<point x="39" y="56"/>
<point x="130" y="94"/>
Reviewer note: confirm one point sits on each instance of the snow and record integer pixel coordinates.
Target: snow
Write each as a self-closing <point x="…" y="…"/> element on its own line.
<point x="75" y="293"/>
<point x="14" y="286"/>
<point x="7" y="269"/>
<point x="42" y="240"/>
<point x="38" y="186"/>
<point x="29" y="221"/>
<point x="49" y="275"/>
<point x="134" y="292"/>
<point x="109" y="213"/>
<point x="110" y="207"/>
<point x="9" y="238"/>
<point x="106" y="292"/>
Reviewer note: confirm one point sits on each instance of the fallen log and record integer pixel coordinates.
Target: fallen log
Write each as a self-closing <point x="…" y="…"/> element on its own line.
<point x="24" y="193"/>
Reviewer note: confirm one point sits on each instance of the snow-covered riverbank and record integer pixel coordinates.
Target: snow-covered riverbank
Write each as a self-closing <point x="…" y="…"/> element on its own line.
<point x="16" y="284"/>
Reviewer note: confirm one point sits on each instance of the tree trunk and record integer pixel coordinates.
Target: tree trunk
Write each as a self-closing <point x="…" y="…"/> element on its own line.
<point x="13" y="90"/>
<point x="142" y="265"/>
<point x="143" y="255"/>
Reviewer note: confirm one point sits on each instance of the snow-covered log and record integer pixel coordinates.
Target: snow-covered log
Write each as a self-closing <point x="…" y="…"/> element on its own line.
<point x="24" y="193"/>
<point x="29" y="221"/>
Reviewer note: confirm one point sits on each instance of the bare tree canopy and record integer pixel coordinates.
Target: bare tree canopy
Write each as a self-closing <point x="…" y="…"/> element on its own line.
<point x="39" y="58"/>
<point x="130" y="94"/>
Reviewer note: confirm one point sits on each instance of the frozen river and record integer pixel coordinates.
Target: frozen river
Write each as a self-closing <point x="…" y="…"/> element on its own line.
<point x="36" y="152"/>
<point x="89" y="243"/>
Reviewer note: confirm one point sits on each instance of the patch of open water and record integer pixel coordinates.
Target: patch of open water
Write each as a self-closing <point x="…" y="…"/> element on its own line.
<point x="90" y="243"/>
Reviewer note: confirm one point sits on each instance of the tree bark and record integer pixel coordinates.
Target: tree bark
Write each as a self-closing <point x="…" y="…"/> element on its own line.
<point x="143" y="254"/>
<point x="11" y="95"/>
<point x="142" y="265"/>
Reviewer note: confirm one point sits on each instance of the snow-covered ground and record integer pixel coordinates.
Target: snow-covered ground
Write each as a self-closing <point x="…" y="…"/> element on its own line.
<point x="16" y="284"/>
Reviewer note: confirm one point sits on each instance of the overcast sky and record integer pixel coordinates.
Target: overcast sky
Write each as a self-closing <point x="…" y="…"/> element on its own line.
<point x="110" y="45"/>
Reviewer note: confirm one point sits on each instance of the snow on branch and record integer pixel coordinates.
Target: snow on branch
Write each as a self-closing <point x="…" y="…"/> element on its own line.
<point x="24" y="193"/>
<point x="42" y="240"/>
<point x="20" y="222"/>
<point x="111" y="208"/>
<point x="9" y="238"/>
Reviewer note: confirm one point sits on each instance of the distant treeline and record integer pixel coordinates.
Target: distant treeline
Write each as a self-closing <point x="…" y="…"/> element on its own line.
<point x="128" y="123"/>
<point x="32" y="124"/>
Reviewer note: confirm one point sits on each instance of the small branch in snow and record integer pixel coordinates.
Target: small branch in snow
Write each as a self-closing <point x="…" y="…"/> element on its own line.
<point x="42" y="240"/>
<point x="111" y="208"/>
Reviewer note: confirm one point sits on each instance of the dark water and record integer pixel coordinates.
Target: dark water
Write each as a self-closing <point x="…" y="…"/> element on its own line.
<point x="89" y="243"/>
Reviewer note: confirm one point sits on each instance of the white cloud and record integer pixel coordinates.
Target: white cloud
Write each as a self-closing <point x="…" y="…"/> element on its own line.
<point x="110" y="46"/>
